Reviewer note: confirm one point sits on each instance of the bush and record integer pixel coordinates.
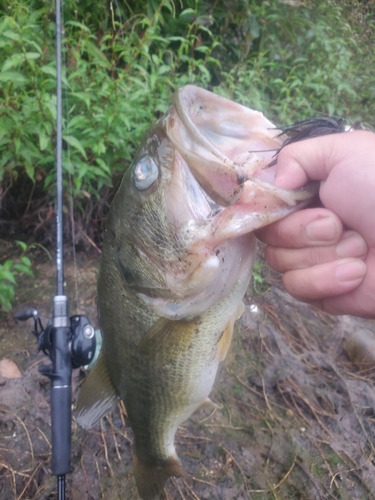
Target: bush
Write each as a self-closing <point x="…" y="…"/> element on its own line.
<point x="310" y="60"/>
<point x="9" y="271"/>
<point x="115" y="84"/>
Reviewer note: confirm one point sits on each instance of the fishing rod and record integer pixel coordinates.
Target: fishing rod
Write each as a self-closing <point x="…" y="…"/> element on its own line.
<point x="68" y="342"/>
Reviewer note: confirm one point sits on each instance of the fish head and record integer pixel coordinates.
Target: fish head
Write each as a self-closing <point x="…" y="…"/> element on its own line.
<point x="181" y="223"/>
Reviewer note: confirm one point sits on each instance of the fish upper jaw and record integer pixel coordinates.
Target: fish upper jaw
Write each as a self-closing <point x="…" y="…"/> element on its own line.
<point x="223" y="143"/>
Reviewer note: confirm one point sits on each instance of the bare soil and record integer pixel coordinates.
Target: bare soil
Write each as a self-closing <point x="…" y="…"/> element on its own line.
<point x="297" y="418"/>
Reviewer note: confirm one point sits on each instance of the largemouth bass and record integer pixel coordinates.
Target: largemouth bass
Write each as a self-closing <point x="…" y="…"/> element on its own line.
<point x="177" y="259"/>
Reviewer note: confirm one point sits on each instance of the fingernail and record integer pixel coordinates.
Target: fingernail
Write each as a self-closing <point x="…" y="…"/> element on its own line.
<point x="323" y="230"/>
<point x="350" y="271"/>
<point x="351" y="245"/>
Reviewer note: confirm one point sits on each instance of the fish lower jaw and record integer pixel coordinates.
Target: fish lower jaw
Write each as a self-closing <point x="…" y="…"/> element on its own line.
<point x="201" y="277"/>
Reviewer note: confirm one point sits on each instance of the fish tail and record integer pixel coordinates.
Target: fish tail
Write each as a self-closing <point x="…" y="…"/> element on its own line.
<point x="151" y="479"/>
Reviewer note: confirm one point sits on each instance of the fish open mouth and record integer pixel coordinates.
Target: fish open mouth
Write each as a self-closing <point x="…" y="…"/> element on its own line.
<point x="227" y="147"/>
<point x="224" y="143"/>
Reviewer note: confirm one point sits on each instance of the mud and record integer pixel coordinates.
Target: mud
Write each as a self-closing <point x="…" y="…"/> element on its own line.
<point x="297" y="418"/>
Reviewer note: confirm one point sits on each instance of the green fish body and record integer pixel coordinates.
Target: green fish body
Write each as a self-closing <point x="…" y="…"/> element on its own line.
<point x="177" y="259"/>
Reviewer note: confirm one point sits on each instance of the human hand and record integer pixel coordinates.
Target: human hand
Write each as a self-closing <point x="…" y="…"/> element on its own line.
<point x="327" y="255"/>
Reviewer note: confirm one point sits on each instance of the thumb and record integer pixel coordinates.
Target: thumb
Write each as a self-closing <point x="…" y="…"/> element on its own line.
<point x="312" y="159"/>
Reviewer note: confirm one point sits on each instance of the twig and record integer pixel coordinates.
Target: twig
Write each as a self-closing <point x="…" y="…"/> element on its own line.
<point x="100" y="482"/>
<point x="44" y="436"/>
<point x="28" y="438"/>
<point x="114" y="436"/>
<point x="105" y="448"/>
<point x="29" y="481"/>
<point x="203" y="482"/>
<point x="92" y="242"/>
<point x="191" y="491"/>
<point x="287" y="474"/>
<point x="176" y="485"/>
<point x="13" y="474"/>
<point x="239" y="468"/>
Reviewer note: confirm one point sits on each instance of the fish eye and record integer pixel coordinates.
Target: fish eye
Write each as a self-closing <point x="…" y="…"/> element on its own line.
<point x="145" y="173"/>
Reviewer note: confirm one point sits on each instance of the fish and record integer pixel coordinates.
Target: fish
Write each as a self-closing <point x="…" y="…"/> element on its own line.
<point x="176" y="262"/>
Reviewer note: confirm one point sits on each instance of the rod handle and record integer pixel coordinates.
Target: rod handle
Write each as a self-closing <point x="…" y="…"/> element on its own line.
<point x="61" y="415"/>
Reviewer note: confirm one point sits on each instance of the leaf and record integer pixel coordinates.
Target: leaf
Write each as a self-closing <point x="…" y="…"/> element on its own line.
<point x="75" y="143"/>
<point x="82" y="171"/>
<point x="26" y="261"/>
<point x="100" y="58"/>
<point x="49" y="70"/>
<point x="12" y="61"/>
<point x="12" y="76"/>
<point x="187" y="15"/>
<point x="163" y="69"/>
<point x="22" y="244"/>
<point x="103" y="165"/>
<point x="32" y="55"/>
<point x="12" y="35"/>
<point x="30" y="170"/>
<point x="43" y="141"/>
<point x="23" y="269"/>
<point x="8" y="275"/>
<point x="78" y="25"/>
<point x="7" y="265"/>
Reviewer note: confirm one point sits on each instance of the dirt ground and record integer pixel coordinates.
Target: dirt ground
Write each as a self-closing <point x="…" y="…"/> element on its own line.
<point x="297" y="418"/>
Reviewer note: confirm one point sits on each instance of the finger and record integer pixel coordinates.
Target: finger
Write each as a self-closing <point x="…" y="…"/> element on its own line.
<point x="310" y="227"/>
<point x="313" y="158"/>
<point x="325" y="280"/>
<point x="358" y="302"/>
<point x="286" y="259"/>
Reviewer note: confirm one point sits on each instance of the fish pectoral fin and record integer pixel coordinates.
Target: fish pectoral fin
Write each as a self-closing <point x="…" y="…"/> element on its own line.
<point x="97" y="396"/>
<point x="211" y="404"/>
<point x="226" y="338"/>
<point x="240" y="310"/>
<point x="151" y="479"/>
<point x="167" y="339"/>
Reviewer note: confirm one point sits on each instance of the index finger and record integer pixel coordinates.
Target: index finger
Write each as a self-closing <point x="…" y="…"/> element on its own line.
<point x="309" y="227"/>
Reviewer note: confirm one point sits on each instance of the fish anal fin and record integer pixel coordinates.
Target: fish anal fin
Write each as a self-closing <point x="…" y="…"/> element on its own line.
<point x="97" y="396"/>
<point x="226" y="338"/>
<point x="151" y="479"/>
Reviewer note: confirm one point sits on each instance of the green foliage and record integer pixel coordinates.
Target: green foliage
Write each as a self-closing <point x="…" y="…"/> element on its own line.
<point x="311" y="59"/>
<point x="115" y="84"/>
<point x="9" y="272"/>
<point x="259" y="284"/>
<point x="123" y="60"/>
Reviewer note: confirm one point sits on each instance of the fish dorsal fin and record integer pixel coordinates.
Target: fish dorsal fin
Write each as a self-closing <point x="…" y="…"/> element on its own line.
<point x="97" y="396"/>
<point x="168" y="338"/>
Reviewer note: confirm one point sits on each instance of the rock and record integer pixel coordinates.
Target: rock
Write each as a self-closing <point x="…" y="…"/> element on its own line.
<point x="9" y="369"/>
